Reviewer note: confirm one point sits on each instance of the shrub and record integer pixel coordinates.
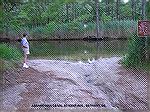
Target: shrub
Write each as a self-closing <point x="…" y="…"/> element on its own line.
<point x="122" y="25"/>
<point x="75" y="26"/>
<point x="90" y="26"/>
<point x="38" y="31"/>
<point x="135" y="56"/>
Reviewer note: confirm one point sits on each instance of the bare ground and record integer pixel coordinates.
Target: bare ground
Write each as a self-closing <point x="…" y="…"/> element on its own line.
<point x="59" y="83"/>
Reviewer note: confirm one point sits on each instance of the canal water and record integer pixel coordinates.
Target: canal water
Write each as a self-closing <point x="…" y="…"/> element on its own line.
<point x="75" y="50"/>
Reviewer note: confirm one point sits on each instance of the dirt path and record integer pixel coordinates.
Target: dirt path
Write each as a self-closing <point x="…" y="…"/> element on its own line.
<point x="60" y="83"/>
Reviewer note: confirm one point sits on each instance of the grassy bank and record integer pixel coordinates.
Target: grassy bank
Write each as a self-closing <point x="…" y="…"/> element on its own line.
<point x="9" y="56"/>
<point x="135" y="57"/>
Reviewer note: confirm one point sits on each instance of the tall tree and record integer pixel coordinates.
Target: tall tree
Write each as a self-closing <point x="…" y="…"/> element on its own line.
<point x="133" y="7"/>
<point x="143" y="9"/>
<point x="107" y="3"/>
<point x="97" y="18"/>
<point x="117" y="9"/>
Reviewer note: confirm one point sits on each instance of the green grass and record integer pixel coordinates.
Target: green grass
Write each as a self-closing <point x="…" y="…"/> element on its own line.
<point x="135" y="57"/>
<point x="146" y="66"/>
<point x="9" y="52"/>
<point x="9" y="57"/>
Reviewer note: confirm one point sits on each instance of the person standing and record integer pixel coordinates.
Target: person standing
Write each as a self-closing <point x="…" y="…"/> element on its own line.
<point x="25" y="48"/>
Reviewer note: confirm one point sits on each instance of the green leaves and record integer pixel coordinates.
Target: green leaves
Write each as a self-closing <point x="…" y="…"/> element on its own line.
<point x="84" y="18"/>
<point x="36" y="14"/>
<point x="69" y="1"/>
<point x="52" y="27"/>
<point x="105" y="17"/>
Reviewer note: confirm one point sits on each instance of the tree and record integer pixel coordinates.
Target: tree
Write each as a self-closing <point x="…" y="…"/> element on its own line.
<point x="97" y="18"/>
<point x="117" y="9"/>
<point x="35" y="15"/>
<point x="133" y="7"/>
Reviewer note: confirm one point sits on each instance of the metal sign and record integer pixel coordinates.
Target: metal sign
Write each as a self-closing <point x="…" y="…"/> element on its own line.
<point x="143" y="28"/>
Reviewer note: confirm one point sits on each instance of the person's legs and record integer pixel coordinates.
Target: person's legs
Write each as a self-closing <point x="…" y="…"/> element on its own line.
<point x="25" y="58"/>
<point x="25" y="61"/>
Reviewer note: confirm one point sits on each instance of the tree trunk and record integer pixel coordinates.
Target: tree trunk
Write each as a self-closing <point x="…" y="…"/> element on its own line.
<point x="67" y="12"/>
<point x="107" y="7"/>
<point x="97" y="18"/>
<point x="117" y="9"/>
<point x="133" y="4"/>
<point x="75" y="10"/>
<point x="143" y="9"/>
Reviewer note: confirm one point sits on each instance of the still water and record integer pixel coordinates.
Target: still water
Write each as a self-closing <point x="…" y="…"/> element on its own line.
<point x="77" y="50"/>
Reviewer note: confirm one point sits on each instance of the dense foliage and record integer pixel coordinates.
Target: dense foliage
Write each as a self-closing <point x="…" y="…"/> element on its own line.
<point x="138" y="54"/>
<point x="49" y="18"/>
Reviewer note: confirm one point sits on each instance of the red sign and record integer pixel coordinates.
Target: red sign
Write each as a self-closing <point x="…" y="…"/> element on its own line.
<point x="143" y="28"/>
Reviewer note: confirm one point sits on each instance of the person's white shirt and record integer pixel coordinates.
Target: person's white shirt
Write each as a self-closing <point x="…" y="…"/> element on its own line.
<point x="24" y="42"/>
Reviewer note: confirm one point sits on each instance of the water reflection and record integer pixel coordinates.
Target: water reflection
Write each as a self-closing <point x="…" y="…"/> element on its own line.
<point x="77" y="50"/>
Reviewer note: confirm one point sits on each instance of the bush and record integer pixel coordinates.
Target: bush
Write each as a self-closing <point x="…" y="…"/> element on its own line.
<point x="53" y="28"/>
<point x="90" y="26"/>
<point x="136" y="52"/>
<point x="125" y="28"/>
<point x="7" y="52"/>
<point x="122" y="25"/>
<point x="75" y="26"/>
<point x="46" y="31"/>
<point x="38" y="31"/>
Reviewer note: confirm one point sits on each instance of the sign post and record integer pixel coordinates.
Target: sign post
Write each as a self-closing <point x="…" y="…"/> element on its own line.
<point x="143" y="28"/>
<point x="143" y="32"/>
